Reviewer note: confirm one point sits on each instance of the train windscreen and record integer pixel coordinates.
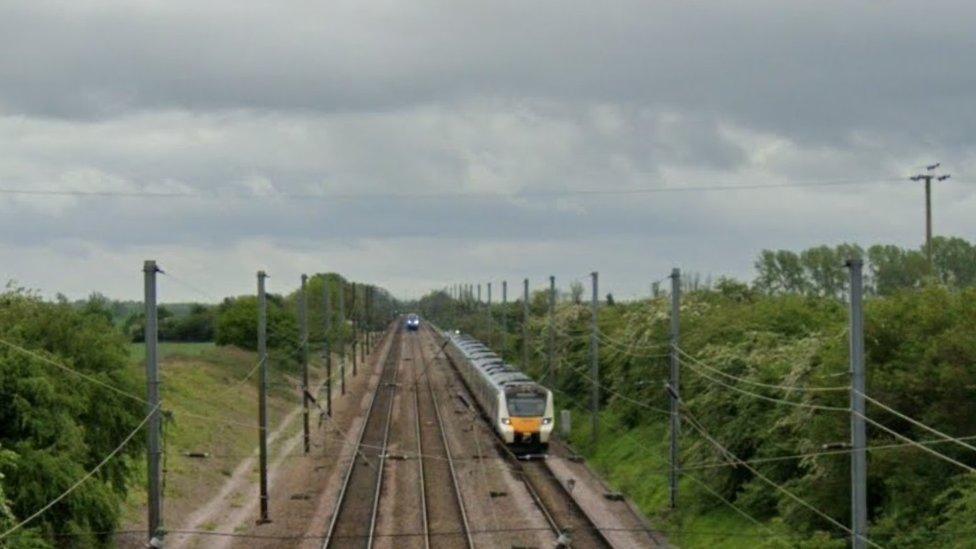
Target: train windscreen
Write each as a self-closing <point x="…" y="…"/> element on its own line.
<point x="530" y="405"/>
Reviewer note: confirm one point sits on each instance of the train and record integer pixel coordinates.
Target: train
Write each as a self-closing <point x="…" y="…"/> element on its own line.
<point x="519" y="409"/>
<point x="413" y="322"/>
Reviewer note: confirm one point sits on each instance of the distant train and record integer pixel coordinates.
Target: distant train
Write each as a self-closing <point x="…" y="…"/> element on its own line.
<point x="520" y="410"/>
<point x="413" y="322"/>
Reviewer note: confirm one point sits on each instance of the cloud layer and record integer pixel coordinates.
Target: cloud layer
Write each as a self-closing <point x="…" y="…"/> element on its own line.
<point x="371" y="103"/>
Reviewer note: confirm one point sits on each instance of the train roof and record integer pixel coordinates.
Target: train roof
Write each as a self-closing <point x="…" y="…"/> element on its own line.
<point x="491" y="366"/>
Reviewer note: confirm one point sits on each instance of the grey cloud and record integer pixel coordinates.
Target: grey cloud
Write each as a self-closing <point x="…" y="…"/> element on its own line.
<point x="812" y="70"/>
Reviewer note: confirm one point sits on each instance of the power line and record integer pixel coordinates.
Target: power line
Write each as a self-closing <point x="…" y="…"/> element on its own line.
<point x="82" y="480"/>
<point x="764" y="397"/>
<point x="82" y="375"/>
<point x="734" y="458"/>
<point x="339" y="196"/>
<point x="916" y="444"/>
<point x="918" y="423"/>
<point x="758" y="383"/>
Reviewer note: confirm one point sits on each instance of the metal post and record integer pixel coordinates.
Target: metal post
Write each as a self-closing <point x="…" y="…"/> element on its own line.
<point x="595" y="364"/>
<point x="327" y="305"/>
<point x="859" y="506"/>
<point x="263" y="394"/>
<point x="503" y="324"/>
<point x="155" y="424"/>
<point x="303" y="325"/>
<point x="355" y="328"/>
<point x="369" y="319"/>
<point x="525" y="324"/>
<point x="488" y="310"/>
<point x="551" y="368"/>
<point x="928" y="219"/>
<point x="675" y="385"/>
<point x="342" y="337"/>
<point x="928" y="177"/>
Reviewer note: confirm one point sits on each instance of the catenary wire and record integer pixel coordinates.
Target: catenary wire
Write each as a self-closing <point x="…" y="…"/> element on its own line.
<point x="327" y="196"/>
<point x="732" y="457"/>
<point x="759" y="383"/>
<point x="764" y="397"/>
<point x="898" y="435"/>
<point x="82" y="480"/>
<point x="917" y="423"/>
<point x="66" y="368"/>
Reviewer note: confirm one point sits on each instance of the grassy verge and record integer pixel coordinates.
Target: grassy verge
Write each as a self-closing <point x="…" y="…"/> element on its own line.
<point x="634" y="461"/>
<point x="208" y="410"/>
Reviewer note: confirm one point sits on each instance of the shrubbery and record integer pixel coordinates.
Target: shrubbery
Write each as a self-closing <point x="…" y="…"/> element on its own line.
<point x="921" y="360"/>
<point x="54" y="427"/>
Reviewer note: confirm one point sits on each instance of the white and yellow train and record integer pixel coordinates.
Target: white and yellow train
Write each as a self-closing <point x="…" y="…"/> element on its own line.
<point x="519" y="409"/>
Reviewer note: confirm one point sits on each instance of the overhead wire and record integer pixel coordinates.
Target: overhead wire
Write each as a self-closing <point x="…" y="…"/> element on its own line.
<point x="917" y="423"/>
<point x="898" y="435"/>
<point x="72" y="371"/>
<point x="84" y="478"/>
<point x="727" y="375"/>
<point x="690" y="419"/>
<point x="346" y="196"/>
<point x="764" y="397"/>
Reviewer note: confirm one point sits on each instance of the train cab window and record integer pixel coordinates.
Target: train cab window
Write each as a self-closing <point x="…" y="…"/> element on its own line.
<point x="530" y="405"/>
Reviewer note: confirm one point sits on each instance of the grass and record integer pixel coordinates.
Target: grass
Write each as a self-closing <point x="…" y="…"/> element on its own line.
<point x="634" y="461"/>
<point x="137" y="351"/>
<point x="202" y="386"/>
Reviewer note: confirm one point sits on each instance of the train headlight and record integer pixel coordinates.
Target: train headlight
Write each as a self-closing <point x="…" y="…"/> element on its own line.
<point x="546" y="420"/>
<point x="506" y="421"/>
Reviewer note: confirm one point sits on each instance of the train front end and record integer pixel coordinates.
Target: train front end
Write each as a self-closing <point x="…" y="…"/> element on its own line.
<point x="526" y="418"/>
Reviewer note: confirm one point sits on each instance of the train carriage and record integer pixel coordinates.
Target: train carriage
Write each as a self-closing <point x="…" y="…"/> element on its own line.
<point x="519" y="409"/>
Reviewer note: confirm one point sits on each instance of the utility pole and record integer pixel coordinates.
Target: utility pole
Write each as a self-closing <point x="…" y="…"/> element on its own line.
<point x="525" y="324"/>
<point x="551" y="368"/>
<point x="928" y="177"/>
<point x="355" y="329"/>
<point x="342" y="337"/>
<point x="303" y="325"/>
<point x="488" y="310"/>
<point x="327" y="304"/>
<point x="479" y="293"/>
<point x="859" y="466"/>
<point x="369" y="318"/>
<point x="595" y="364"/>
<point x="675" y="385"/>
<point x="263" y="394"/>
<point x="155" y="425"/>
<point x="503" y="323"/>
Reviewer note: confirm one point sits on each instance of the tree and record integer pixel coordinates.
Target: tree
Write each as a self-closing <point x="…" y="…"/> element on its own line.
<point x="237" y="323"/>
<point x="576" y="291"/>
<point x="55" y="427"/>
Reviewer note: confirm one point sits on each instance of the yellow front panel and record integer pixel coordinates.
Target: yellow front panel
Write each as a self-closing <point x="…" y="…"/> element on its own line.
<point x="526" y="424"/>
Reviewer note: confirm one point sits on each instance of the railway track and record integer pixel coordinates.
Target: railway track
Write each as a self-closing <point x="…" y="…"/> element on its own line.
<point x="353" y="523"/>
<point x="570" y="524"/>
<point x="445" y="517"/>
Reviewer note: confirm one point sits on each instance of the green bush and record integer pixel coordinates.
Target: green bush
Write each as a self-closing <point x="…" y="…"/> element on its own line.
<point x="54" y="426"/>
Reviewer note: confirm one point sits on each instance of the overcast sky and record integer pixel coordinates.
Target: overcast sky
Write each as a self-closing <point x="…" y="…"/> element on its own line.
<point x="432" y="142"/>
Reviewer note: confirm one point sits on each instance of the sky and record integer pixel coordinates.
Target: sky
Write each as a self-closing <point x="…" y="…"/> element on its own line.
<point x="418" y="144"/>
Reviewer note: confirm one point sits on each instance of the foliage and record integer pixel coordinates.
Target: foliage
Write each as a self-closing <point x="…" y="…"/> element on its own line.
<point x="820" y="270"/>
<point x="237" y="319"/>
<point x="788" y="329"/>
<point x="54" y="428"/>
<point x="196" y="324"/>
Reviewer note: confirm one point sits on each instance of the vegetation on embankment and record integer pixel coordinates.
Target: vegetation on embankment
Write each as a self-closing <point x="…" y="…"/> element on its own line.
<point x="56" y="426"/>
<point x="210" y="394"/>
<point x="921" y="359"/>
